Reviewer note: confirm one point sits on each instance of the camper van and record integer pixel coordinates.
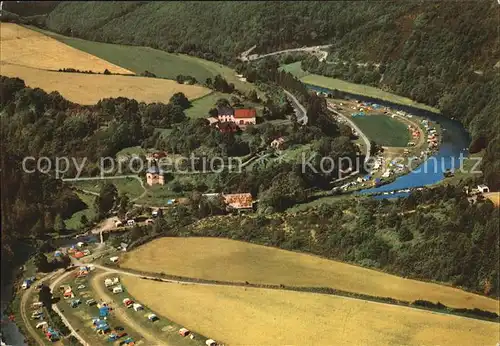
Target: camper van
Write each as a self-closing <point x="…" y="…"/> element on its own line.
<point x="118" y="289"/>
<point x="130" y="222"/>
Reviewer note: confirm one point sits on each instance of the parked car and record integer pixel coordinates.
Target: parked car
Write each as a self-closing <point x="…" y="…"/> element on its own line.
<point x="81" y="287"/>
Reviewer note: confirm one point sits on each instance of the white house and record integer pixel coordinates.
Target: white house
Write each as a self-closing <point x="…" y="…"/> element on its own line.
<point x="483" y="188"/>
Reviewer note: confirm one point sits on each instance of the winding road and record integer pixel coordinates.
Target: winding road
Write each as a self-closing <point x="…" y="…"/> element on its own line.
<point x="300" y="110"/>
<point x="246" y="57"/>
<point x="353" y="125"/>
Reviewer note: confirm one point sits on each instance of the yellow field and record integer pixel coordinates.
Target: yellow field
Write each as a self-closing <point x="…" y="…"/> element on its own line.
<point x="251" y="316"/>
<point x="87" y="89"/>
<point x="22" y="46"/>
<point x="494" y="197"/>
<point x="228" y="260"/>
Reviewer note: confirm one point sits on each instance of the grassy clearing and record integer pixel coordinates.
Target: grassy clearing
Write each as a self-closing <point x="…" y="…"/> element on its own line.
<point x="200" y="107"/>
<point x="384" y="130"/>
<point x="250" y="316"/>
<point x="22" y="46"/>
<point x="131" y="151"/>
<point x="73" y="223"/>
<point x="228" y="260"/>
<point x="333" y="83"/>
<point x="295" y="69"/>
<point x="130" y="186"/>
<point x="87" y="89"/>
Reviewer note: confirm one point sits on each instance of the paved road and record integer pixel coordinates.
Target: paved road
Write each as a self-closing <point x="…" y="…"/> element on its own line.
<point x="300" y="110"/>
<point x="245" y="57"/>
<point x="23" y="308"/>
<point x="355" y="127"/>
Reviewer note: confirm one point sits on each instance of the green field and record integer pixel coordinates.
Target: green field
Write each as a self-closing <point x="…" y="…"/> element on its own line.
<point x="384" y="130"/>
<point x="295" y="69"/>
<point x="200" y="107"/>
<point x="73" y="223"/>
<point x="334" y="83"/>
<point x="130" y="186"/>
<point x="139" y="59"/>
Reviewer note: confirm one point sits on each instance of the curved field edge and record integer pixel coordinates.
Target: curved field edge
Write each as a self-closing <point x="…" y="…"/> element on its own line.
<point x="227" y="260"/>
<point x="26" y="47"/>
<point x="88" y="89"/>
<point x="242" y="315"/>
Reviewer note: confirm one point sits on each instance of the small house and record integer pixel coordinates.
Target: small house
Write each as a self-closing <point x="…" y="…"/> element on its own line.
<point x="278" y="143"/>
<point x="184" y="332"/>
<point x="483" y="188"/>
<point x="245" y="116"/>
<point x="239" y="201"/>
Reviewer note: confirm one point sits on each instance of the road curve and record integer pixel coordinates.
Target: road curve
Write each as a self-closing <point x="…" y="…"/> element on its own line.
<point x="300" y="110"/>
<point x="245" y="57"/>
<point x="355" y="127"/>
<point x="64" y="319"/>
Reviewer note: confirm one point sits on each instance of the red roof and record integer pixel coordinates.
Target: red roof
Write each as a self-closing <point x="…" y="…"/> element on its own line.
<point x="244" y="113"/>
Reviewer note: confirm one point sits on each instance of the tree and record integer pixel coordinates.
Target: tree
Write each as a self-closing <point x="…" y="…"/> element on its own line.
<point x="84" y="220"/>
<point x="41" y="263"/>
<point x="106" y="199"/>
<point x="59" y="225"/>
<point x="181" y="100"/>
<point x="45" y="296"/>
<point x="252" y="96"/>
<point x="213" y="112"/>
<point x="106" y="71"/>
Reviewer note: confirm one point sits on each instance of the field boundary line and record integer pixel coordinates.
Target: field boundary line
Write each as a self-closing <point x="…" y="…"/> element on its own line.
<point x="166" y="278"/>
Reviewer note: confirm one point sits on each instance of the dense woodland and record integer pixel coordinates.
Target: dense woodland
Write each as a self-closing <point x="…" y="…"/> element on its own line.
<point x="441" y="54"/>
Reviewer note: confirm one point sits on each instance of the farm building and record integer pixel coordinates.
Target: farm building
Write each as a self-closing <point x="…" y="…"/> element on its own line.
<point x="155" y="176"/>
<point x="239" y="201"/>
<point x="241" y="116"/>
<point x="184" y="332"/>
<point x="225" y="114"/>
<point x="483" y="188"/>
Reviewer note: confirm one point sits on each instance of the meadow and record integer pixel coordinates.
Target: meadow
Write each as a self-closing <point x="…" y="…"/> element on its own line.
<point x="73" y="223"/>
<point x="129" y="186"/>
<point x="252" y="316"/>
<point x="88" y="89"/>
<point x="25" y="47"/>
<point x="384" y="130"/>
<point x="229" y="260"/>
<point x="163" y="64"/>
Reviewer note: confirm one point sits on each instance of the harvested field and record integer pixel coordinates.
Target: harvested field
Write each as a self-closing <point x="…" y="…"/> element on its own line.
<point x="494" y="197"/>
<point x="25" y="47"/>
<point x="87" y="89"/>
<point x="251" y="316"/>
<point x="229" y="260"/>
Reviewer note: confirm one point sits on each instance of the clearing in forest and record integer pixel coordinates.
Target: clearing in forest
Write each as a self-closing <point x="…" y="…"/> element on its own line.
<point x="229" y="260"/>
<point x="252" y="316"/>
<point x="25" y="47"/>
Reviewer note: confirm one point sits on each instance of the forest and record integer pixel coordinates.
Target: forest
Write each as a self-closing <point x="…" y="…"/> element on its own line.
<point x="440" y="54"/>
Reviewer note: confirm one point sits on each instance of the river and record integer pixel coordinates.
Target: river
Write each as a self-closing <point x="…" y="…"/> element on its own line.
<point x="454" y="144"/>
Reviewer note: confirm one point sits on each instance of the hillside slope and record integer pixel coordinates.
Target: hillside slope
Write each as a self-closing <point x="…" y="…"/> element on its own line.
<point x="439" y="54"/>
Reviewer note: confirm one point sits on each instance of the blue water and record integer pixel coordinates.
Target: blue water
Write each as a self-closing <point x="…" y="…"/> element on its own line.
<point x="454" y="146"/>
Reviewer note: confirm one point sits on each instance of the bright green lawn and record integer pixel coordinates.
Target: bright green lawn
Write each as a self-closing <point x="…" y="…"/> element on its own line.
<point x="295" y="69"/>
<point x="384" y="130"/>
<point x="200" y="107"/>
